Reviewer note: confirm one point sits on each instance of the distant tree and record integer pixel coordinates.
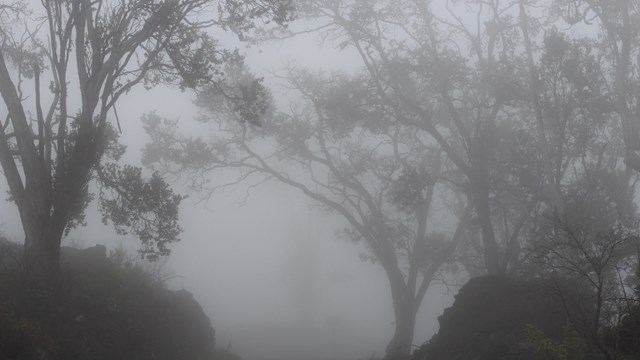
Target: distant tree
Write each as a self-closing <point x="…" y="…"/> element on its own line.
<point x="341" y="151"/>
<point x="624" y="336"/>
<point x="591" y="248"/>
<point x="596" y="266"/>
<point x="614" y="30"/>
<point x="514" y="103"/>
<point x="90" y="54"/>
<point x="459" y="81"/>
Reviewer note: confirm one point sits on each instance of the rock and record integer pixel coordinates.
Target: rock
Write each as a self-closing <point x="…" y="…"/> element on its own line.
<point x="89" y="259"/>
<point x="177" y="327"/>
<point x="488" y="319"/>
<point x="104" y="311"/>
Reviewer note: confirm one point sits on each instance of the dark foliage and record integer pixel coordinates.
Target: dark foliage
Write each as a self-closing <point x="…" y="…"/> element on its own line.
<point x="102" y="309"/>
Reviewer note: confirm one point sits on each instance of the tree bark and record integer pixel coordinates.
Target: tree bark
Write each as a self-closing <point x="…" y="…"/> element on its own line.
<point x="39" y="261"/>
<point x="489" y="244"/>
<point x="32" y="196"/>
<point x="399" y="347"/>
<point x="479" y="186"/>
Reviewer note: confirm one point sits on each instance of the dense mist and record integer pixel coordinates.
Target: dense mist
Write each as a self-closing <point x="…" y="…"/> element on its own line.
<point x="319" y="179"/>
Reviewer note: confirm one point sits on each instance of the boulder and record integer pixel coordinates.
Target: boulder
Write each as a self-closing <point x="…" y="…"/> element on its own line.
<point x="489" y="317"/>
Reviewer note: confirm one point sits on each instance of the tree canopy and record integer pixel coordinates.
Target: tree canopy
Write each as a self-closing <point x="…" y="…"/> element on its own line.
<point x="54" y="142"/>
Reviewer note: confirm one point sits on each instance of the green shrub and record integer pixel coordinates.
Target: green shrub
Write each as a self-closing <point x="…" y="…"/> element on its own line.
<point x="571" y="347"/>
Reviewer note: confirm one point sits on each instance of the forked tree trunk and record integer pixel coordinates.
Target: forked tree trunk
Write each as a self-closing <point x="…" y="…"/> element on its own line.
<point x="45" y="213"/>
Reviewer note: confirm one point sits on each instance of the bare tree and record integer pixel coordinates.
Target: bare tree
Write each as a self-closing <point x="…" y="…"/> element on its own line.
<point x="591" y="249"/>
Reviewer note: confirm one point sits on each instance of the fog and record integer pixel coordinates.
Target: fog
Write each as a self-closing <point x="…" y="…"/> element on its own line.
<point x="320" y="179"/>
<point x="268" y="268"/>
<point x="283" y="287"/>
<point x="273" y="276"/>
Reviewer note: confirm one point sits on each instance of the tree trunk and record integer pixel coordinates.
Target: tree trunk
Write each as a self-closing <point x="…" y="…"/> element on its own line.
<point x="42" y="241"/>
<point x="404" y="309"/>
<point x="42" y="252"/>
<point x="399" y="347"/>
<point x="45" y="213"/>
<point x="44" y="218"/>
<point x="44" y="226"/>
<point x="489" y="244"/>
<point x="480" y="198"/>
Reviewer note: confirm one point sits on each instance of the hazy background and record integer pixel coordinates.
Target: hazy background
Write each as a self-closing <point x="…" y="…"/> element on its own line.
<point x="275" y="280"/>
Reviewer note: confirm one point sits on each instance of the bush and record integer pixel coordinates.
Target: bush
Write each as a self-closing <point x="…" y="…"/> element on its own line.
<point x="21" y="339"/>
<point x="571" y="347"/>
<point x="102" y="308"/>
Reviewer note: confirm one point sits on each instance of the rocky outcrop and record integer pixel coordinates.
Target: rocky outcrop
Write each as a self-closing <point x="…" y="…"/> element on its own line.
<point x="102" y="311"/>
<point x="488" y="320"/>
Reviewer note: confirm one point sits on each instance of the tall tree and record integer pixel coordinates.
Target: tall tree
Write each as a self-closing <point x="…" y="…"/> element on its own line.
<point x="615" y="31"/>
<point x="512" y="102"/>
<point x="340" y="150"/>
<point x="91" y="53"/>
<point x="451" y="70"/>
